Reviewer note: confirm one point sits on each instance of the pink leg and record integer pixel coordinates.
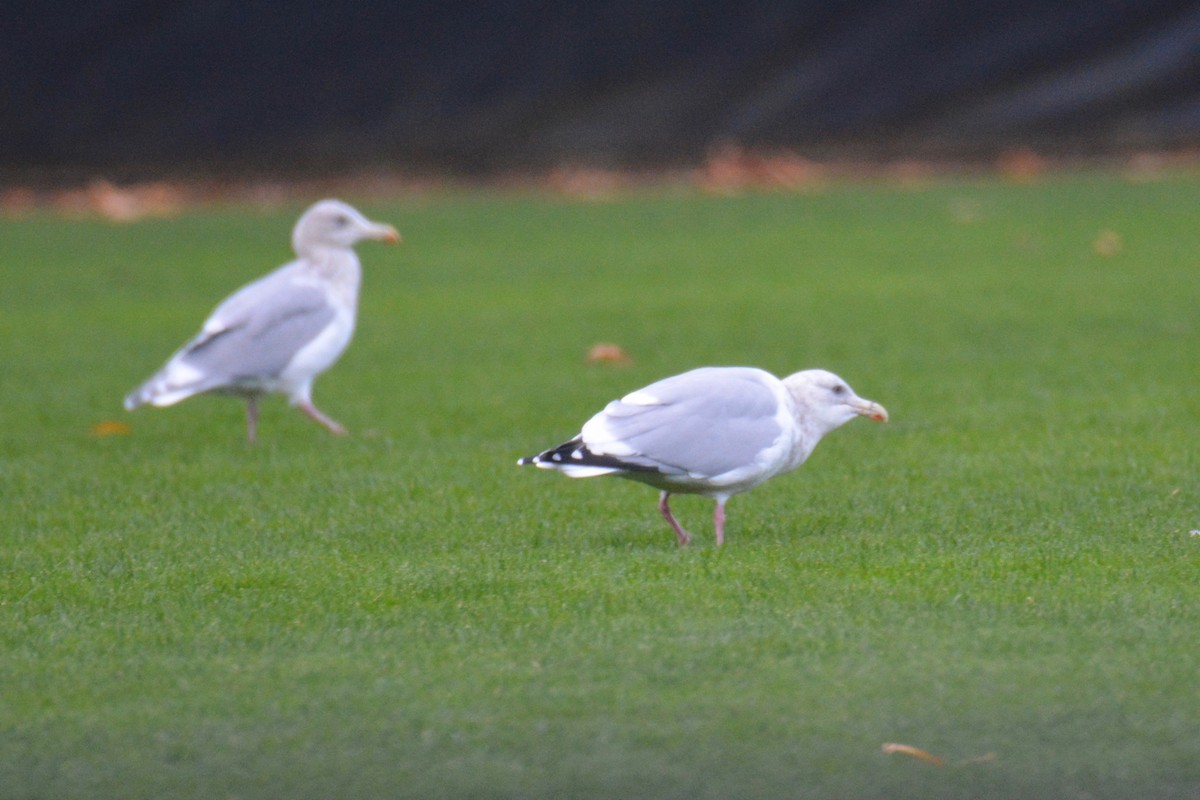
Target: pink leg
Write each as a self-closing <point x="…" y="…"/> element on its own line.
<point x="252" y="418"/>
<point x="664" y="508"/>
<point x="719" y="520"/>
<point x="331" y="425"/>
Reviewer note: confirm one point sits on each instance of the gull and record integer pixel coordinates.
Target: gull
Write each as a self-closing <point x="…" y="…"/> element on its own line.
<point x="713" y="431"/>
<point x="277" y="334"/>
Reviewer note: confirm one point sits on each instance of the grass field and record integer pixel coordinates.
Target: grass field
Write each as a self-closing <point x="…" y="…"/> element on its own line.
<point x="1007" y="575"/>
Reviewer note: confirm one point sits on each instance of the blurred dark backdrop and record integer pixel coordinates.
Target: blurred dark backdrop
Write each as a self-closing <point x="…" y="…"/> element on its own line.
<point x="155" y="86"/>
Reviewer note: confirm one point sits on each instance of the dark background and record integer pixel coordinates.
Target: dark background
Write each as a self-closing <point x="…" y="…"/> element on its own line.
<point x="156" y="88"/>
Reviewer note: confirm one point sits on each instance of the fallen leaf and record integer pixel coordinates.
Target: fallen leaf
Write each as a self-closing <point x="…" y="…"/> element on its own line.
<point x="1108" y="243"/>
<point x="110" y="427"/>
<point x="607" y="353"/>
<point x="909" y="750"/>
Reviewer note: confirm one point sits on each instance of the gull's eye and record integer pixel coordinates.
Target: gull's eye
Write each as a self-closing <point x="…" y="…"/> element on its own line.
<point x="839" y="389"/>
<point x="341" y="220"/>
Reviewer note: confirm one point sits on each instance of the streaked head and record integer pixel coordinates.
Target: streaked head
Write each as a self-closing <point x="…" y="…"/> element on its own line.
<point x="826" y="399"/>
<point x="332" y="223"/>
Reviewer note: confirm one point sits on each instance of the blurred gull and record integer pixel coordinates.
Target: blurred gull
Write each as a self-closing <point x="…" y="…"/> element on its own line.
<point x="280" y="332"/>
<point x="714" y="431"/>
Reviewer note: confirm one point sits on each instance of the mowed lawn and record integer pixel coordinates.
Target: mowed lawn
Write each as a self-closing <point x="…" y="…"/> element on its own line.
<point x="1005" y="576"/>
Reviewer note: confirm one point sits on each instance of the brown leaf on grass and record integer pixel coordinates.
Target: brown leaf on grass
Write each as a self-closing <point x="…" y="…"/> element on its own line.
<point x="914" y="752"/>
<point x="1107" y="244"/>
<point x="110" y="427"/>
<point x="607" y="353"/>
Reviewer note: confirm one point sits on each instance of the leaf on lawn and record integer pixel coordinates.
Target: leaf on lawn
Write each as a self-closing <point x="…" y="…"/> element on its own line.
<point x="915" y="752"/>
<point x="607" y="353"/>
<point x="110" y="427"/>
<point x="1107" y="243"/>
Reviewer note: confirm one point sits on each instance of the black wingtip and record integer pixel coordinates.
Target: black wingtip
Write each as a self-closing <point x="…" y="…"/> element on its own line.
<point x="576" y="453"/>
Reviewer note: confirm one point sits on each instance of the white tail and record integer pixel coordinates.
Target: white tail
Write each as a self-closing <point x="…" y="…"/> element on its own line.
<point x="171" y="384"/>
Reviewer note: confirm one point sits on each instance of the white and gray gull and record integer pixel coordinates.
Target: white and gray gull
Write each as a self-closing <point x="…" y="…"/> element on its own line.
<point x="713" y="431"/>
<point x="277" y="334"/>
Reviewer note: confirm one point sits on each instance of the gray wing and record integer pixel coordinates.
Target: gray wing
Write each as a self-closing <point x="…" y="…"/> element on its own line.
<point x="706" y="422"/>
<point x="256" y="332"/>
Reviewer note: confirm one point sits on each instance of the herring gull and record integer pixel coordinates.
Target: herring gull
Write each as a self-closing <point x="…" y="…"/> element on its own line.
<point x="280" y="332"/>
<point x="713" y="431"/>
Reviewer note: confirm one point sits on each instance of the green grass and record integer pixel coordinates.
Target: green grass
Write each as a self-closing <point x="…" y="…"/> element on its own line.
<point x="1004" y="575"/>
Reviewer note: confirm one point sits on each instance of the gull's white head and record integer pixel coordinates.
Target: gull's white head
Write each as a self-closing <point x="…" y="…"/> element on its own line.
<point x="826" y="401"/>
<point x="332" y="223"/>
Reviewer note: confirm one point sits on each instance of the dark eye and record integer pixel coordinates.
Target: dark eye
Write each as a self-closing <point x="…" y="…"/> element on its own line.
<point x="839" y="389"/>
<point x="341" y="220"/>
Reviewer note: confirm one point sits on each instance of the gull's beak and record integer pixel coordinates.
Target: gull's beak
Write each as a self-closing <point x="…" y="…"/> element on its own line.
<point x="868" y="409"/>
<point x="385" y="233"/>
